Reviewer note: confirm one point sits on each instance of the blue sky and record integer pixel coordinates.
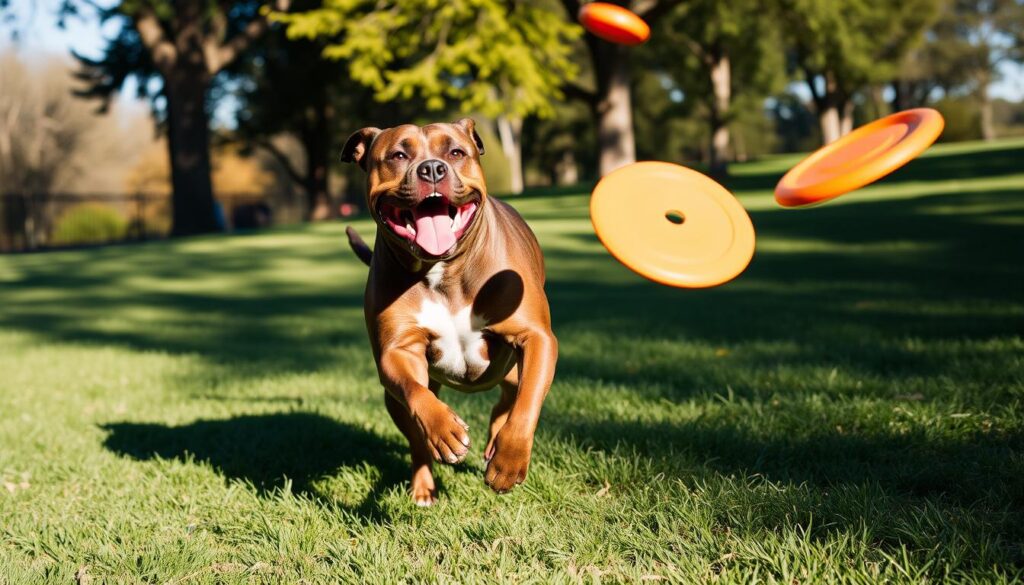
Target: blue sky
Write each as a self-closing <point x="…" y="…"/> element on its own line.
<point x="42" y="36"/>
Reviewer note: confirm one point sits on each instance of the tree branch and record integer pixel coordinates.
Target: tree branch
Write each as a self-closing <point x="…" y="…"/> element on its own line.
<point x="212" y="39"/>
<point x="160" y="49"/>
<point x="697" y="50"/>
<point x="235" y="46"/>
<point x="652" y="10"/>
<point x="576" y="92"/>
<point x="283" y="160"/>
<point x="819" y="100"/>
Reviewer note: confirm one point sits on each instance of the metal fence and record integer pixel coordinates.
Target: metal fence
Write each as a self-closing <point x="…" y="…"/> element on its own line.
<point x="60" y="220"/>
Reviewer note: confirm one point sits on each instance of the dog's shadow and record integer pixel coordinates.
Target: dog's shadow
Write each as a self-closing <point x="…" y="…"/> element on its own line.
<point x="272" y="449"/>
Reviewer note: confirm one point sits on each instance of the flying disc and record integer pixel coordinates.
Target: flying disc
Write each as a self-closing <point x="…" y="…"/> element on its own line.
<point x="860" y="158"/>
<point x="672" y="225"/>
<point x="614" y="23"/>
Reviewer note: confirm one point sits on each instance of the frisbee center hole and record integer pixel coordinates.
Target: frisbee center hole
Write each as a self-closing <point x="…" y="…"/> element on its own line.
<point x="675" y="216"/>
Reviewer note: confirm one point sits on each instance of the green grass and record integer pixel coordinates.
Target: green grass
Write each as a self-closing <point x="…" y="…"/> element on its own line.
<point x="849" y="410"/>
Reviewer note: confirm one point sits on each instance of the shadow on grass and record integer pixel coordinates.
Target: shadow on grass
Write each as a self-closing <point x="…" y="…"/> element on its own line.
<point x="992" y="162"/>
<point x="978" y="467"/>
<point x="268" y="450"/>
<point x="115" y="296"/>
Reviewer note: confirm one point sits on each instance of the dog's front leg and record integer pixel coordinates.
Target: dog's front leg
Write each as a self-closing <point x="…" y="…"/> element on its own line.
<point x="404" y="375"/>
<point x="513" y="444"/>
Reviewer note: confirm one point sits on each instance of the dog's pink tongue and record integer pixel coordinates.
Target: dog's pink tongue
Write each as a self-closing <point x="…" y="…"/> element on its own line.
<point x="433" y="227"/>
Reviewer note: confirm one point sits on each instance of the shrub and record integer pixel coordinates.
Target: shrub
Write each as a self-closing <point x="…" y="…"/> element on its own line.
<point x="89" y="223"/>
<point x="963" y="119"/>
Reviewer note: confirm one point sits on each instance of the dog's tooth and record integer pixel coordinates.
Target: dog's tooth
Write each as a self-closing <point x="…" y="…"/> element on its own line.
<point x="408" y="226"/>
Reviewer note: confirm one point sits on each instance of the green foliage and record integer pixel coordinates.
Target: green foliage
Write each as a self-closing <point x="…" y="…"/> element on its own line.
<point x="854" y="42"/>
<point x="696" y="32"/>
<point x="567" y="138"/>
<point x="753" y="130"/>
<point x="699" y="40"/>
<point x="962" y="119"/>
<point x="669" y="127"/>
<point x="89" y="223"/>
<point x="489" y="56"/>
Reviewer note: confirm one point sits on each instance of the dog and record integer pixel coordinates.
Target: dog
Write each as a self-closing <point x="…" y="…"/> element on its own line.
<point x="455" y="297"/>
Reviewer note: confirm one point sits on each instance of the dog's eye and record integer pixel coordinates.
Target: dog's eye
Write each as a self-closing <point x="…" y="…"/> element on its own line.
<point x="457" y="153"/>
<point x="398" y="155"/>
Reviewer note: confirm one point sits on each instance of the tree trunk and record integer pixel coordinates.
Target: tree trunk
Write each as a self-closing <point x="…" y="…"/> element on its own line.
<point x="721" y="88"/>
<point x="846" y="119"/>
<point x="831" y="128"/>
<point x="878" y="103"/>
<point x="189" y="146"/>
<point x="988" y="130"/>
<point x="830" y="105"/>
<point x="901" y="95"/>
<point x="567" y="172"/>
<point x="510" y="130"/>
<point x="613" y="108"/>
<point x="317" y="144"/>
<point x="739" y="148"/>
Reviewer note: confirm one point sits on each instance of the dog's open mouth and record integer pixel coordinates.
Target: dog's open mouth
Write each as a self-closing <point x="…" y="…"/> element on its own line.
<point x="435" y="225"/>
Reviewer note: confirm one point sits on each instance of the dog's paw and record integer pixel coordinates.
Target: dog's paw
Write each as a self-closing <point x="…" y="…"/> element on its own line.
<point x="424" y="492"/>
<point x="508" y="461"/>
<point x="446" y="434"/>
<point x="424" y="496"/>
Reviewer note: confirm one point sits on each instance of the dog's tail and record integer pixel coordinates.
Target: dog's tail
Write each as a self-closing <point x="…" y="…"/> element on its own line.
<point x="359" y="246"/>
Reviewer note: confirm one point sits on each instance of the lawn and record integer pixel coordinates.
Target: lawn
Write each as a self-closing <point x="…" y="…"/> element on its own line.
<point x="851" y="409"/>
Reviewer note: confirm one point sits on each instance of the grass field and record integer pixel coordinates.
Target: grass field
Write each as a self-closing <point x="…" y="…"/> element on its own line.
<point x="851" y="409"/>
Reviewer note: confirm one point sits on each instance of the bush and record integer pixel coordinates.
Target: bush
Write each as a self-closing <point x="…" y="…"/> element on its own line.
<point x="89" y="223"/>
<point x="963" y="120"/>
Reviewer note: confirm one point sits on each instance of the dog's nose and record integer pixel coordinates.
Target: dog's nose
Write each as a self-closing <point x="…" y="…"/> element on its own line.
<point x="432" y="170"/>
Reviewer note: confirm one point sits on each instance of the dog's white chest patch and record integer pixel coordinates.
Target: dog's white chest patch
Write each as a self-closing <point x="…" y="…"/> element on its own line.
<point x="458" y="343"/>
<point x="435" y="274"/>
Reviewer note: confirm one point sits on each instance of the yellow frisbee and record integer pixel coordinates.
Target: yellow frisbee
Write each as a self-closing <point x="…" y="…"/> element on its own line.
<point x="672" y="225"/>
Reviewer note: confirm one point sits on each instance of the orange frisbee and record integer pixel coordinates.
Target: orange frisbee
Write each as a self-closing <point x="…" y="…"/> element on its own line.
<point x="672" y="225"/>
<point x="614" y="23"/>
<point x="860" y="158"/>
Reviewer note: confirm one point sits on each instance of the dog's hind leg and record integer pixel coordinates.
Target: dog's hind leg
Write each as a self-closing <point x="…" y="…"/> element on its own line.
<point x="424" y="492"/>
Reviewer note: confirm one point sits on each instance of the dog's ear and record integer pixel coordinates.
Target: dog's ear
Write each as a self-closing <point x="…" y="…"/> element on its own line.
<point x="358" y="145"/>
<point x="469" y="127"/>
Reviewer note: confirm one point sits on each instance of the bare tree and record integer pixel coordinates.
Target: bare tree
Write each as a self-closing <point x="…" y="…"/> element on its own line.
<point x="49" y="141"/>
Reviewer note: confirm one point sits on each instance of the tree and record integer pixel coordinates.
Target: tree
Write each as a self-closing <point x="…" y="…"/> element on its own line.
<point x="942" y="64"/>
<point x="609" y="92"/>
<point x="290" y="89"/>
<point x="731" y="50"/>
<point x="985" y="34"/>
<point x="562" y="147"/>
<point x="504" y="61"/>
<point x="841" y="47"/>
<point x="49" y="140"/>
<point x="186" y="43"/>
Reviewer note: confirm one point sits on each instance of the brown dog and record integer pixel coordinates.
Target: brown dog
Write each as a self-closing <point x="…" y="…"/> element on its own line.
<point x="455" y="296"/>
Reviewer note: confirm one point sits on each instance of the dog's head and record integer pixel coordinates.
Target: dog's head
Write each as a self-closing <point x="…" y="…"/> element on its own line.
<point x="425" y="185"/>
